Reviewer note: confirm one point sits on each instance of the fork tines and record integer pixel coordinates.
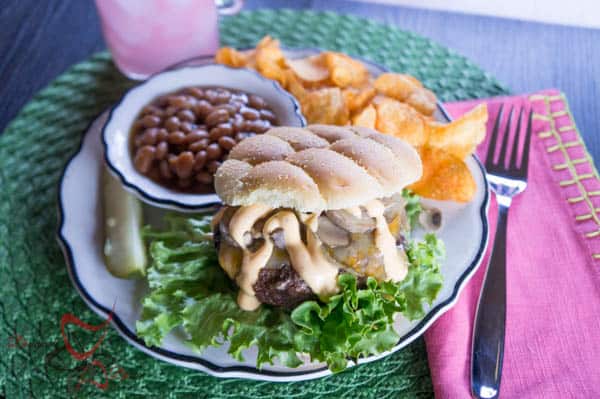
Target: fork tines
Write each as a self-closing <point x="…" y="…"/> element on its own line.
<point x="508" y="159"/>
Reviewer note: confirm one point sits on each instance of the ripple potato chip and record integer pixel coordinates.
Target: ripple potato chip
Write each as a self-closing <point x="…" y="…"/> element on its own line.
<point x="345" y="71"/>
<point x="396" y="85"/>
<point x="423" y="100"/>
<point x="400" y="120"/>
<point x="231" y="57"/>
<point x="270" y="61"/>
<point x="309" y="69"/>
<point x="294" y="86"/>
<point x="461" y="136"/>
<point x="357" y="99"/>
<point x="445" y="177"/>
<point x="366" y="118"/>
<point x="325" y="106"/>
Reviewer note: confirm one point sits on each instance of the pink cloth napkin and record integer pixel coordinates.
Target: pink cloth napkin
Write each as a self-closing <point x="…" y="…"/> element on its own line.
<point x="552" y="347"/>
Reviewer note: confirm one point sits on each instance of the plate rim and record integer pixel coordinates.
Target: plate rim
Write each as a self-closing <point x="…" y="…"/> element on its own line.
<point x="250" y="372"/>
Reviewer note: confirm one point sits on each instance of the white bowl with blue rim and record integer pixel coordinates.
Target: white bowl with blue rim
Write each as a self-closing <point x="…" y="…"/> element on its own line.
<point x="117" y="130"/>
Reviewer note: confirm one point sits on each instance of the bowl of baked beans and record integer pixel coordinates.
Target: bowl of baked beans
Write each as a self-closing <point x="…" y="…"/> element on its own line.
<point x="167" y="136"/>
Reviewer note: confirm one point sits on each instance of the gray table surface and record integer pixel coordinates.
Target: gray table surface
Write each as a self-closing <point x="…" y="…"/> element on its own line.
<point x="40" y="39"/>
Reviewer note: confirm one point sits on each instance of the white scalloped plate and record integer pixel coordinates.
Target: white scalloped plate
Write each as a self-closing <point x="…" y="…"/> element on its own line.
<point x="465" y="234"/>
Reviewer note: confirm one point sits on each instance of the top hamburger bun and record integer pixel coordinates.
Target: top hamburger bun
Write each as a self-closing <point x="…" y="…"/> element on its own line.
<point x="317" y="168"/>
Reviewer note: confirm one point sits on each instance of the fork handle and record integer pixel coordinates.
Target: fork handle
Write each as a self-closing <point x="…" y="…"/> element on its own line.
<point x="488" y="335"/>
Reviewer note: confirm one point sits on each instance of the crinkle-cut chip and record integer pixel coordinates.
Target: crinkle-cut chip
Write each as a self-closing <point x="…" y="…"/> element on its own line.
<point x="423" y="100"/>
<point x="366" y="118"/>
<point x="461" y="136"/>
<point x="402" y="121"/>
<point x="294" y="86"/>
<point x="345" y="71"/>
<point x="250" y="58"/>
<point x="357" y="99"/>
<point x="267" y="41"/>
<point x="396" y="85"/>
<point x="269" y="64"/>
<point x="298" y="138"/>
<point x="231" y="57"/>
<point x="378" y="99"/>
<point x="325" y="106"/>
<point x="270" y="61"/>
<point x="445" y="177"/>
<point x="309" y="69"/>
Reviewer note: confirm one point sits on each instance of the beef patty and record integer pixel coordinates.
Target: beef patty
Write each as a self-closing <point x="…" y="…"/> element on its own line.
<point x="282" y="287"/>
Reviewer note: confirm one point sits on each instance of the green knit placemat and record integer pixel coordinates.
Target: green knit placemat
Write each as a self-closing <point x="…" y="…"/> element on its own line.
<point x="35" y="290"/>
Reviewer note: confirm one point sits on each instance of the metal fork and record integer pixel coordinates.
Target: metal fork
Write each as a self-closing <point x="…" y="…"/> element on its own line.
<point x="507" y="178"/>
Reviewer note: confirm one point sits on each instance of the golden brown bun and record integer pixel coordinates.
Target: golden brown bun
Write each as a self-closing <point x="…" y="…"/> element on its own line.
<point x="318" y="168"/>
<point x="331" y="133"/>
<point x="280" y="185"/>
<point x="261" y="148"/>
<point x="298" y="138"/>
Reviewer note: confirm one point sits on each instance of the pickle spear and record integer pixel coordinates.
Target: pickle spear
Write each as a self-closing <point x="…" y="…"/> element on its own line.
<point x="124" y="250"/>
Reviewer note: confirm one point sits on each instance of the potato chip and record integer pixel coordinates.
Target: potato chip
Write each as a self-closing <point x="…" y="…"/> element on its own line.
<point x="423" y="100"/>
<point x="366" y="118"/>
<point x="357" y="99"/>
<point x="309" y="69"/>
<point x="270" y="61"/>
<point x="267" y="41"/>
<point x="325" y="106"/>
<point x="294" y="85"/>
<point x="333" y="88"/>
<point x="461" y="136"/>
<point x="445" y="177"/>
<point x="396" y="85"/>
<point x="400" y="120"/>
<point x="345" y="71"/>
<point x="231" y="57"/>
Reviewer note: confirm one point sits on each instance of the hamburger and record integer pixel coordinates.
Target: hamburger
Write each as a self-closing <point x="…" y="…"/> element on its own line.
<point x="303" y="205"/>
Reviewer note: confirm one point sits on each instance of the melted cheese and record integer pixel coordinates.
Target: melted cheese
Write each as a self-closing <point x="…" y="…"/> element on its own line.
<point x="395" y="266"/>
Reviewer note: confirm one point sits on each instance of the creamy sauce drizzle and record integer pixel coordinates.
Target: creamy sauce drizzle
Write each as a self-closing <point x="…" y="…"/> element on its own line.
<point x="308" y="260"/>
<point x="395" y="266"/>
<point x="217" y="217"/>
<point x="243" y="220"/>
<point x="252" y="262"/>
<point x="355" y="211"/>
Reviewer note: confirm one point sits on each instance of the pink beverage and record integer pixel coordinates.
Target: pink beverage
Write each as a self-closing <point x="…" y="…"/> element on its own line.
<point x="146" y="36"/>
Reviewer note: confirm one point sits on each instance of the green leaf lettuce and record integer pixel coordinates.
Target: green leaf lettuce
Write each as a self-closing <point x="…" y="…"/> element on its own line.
<point x="189" y="291"/>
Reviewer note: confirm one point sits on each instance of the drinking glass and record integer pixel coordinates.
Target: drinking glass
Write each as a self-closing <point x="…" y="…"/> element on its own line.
<point x="146" y="36"/>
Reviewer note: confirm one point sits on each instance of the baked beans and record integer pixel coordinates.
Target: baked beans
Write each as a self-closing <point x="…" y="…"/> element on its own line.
<point x="180" y="139"/>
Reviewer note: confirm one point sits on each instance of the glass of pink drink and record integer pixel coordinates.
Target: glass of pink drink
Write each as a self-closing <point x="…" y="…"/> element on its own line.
<point x="146" y="36"/>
